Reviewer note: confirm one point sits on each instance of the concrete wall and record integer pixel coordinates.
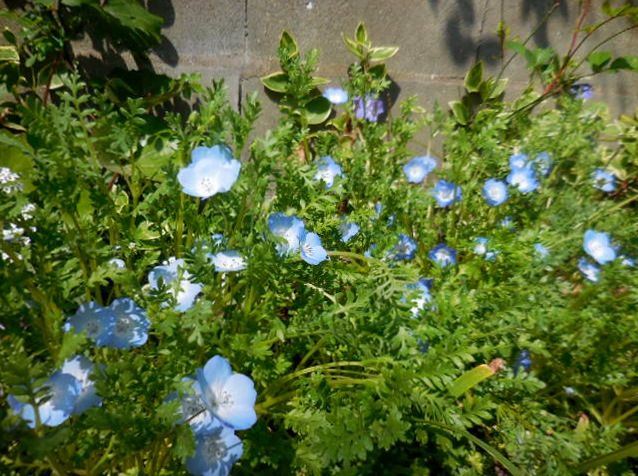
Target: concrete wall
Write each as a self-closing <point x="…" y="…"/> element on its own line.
<point x="439" y="40"/>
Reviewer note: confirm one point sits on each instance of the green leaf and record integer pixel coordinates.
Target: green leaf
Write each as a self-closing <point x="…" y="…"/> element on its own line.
<point x="353" y="46"/>
<point x="598" y="60"/>
<point x="361" y="34"/>
<point x="378" y="71"/>
<point x="383" y="53"/>
<point x="474" y="77"/>
<point x="318" y="81"/>
<point x="9" y="54"/>
<point x="470" y="379"/>
<point x="277" y="82"/>
<point x="460" y="112"/>
<point x="144" y="232"/>
<point x="627" y="451"/>
<point x="520" y="49"/>
<point x="317" y="110"/>
<point x="624" y="62"/>
<point x="287" y="42"/>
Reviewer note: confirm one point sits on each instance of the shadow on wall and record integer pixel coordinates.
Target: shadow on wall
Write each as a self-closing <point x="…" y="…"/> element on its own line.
<point x="465" y="39"/>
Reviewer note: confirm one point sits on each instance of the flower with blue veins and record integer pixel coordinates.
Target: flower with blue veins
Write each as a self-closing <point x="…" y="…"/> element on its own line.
<point x="327" y="170"/>
<point x="54" y="406"/>
<point x="172" y="273"/>
<point x="312" y="252"/>
<point x="229" y="396"/>
<point x="443" y="255"/>
<point x="541" y="250"/>
<point x="589" y="270"/>
<point x="94" y="320"/>
<point x="523" y="361"/>
<point x="446" y="193"/>
<point x="598" y="246"/>
<point x="495" y="192"/>
<point x="543" y="163"/>
<point x="336" y="95"/>
<point x="290" y="228"/>
<point x="369" y="108"/>
<point x="348" y="230"/>
<point x="604" y="180"/>
<point x="212" y="170"/>
<point x="405" y="249"/>
<point x="417" y="169"/>
<point x="193" y="410"/>
<point x="524" y="179"/>
<point x="130" y="327"/>
<point x="228" y="261"/>
<point x="216" y="450"/>
<point x="81" y="368"/>
<point x="518" y="161"/>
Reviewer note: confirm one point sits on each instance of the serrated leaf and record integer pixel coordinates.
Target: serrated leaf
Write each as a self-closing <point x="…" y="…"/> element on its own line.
<point x="277" y="82"/>
<point x="382" y="53"/>
<point x="144" y="232"/>
<point x="474" y="77"/>
<point x="317" y="110"/>
<point x="470" y="379"/>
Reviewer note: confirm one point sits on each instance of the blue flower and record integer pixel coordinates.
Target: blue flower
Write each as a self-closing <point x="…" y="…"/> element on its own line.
<point x="55" y="406"/>
<point x="417" y="169"/>
<point x="446" y="193"/>
<point x="603" y="180"/>
<point x="371" y="249"/>
<point x="405" y="249"/>
<point x="524" y="179"/>
<point x="598" y="246"/>
<point x="518" y="161"/>
<point x="495" y="192"/>
<point x="212" y="170"/>
<point x="582" y="91"/>
<point x="627" y="261"/>
<point x="327" y="170"/>
<point x="311" y="250"/>
<point x="193" y="409"/>
<point x="336" y="95"/>
<point x="117" y="263"/>
<point x="423" y="286"/>
<point x="443" y="255"/>
<point x="96" y="321"/>
<point x="544" y="163"/>
<point x="130" y="328"/>
<point x="216" y="450"/>
<point x="348" y="230"/>
<point x="228" y="261"/>
<point x="227" y="395"/>
<point x="589" y="270"/>
<point x="524" y="361"/>
<point x="507" y="223"/>
<point x="378" y="208"/>
<point x="481" y="245"/>
<point x="541" y="250"/>
<point x="172" y="273"/>
<point x="370" y="108"/>
<point x="290" y="228"/>
<point x="81" y="368"/>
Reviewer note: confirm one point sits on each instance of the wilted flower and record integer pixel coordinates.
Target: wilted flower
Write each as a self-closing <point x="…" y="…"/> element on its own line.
<point x="336" y="95"/>
<point x="173" y="274"/>
<point x="446" y="193"/>
<point x="598" y="246"/>
<point x="227" y="395"/>
<point x="370" y="108"/>
<point x="417" y="169"/>
<point x="228" y="261"/>
<point x="524" y="179"/>
<point x="216" y="450"/>
<point x="495" y="192"/>
<point x="443" y="255"/>
<point x="212" y="170"/>
<point x="311" y="250"/>
<point x="348" y="230"/>
<point x="604" y="180"/>
<point x="327" y="170"/>
<point x="405" y="249"/>
<point x="589" y="270"/>
<point x="288" y="227"/>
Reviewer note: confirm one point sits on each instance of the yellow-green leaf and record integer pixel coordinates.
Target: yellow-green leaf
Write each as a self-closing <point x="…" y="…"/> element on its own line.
<point x="470" y="379"/>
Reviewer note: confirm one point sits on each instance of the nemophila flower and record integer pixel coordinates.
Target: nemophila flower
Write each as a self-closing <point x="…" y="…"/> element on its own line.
<point x="55" y="406"/>
<point x="172" y="273"/>
<point x="481" y="245"/>
<point x="290" y="228"/>
<point x="369" y="108"/>
<point x="589" y="270"/>
<point x="336" y="95"/>
<point x="417" y="169"/>
<point x="446" y="193"/>
<point x="543" y="163"/>
<point x="443" y="255"/>
<point x="541" y="250"/>
<point x="604" y="180"/>
<point x="9" y="181"/>
<point x="96" y="321"/>
<point x="194" y="411"/>
<point x="598" y="246"/>
<point x="495" y="192"/>
<point x="117" y="263"/>
<point x="327" y="170"/>
<point x="130" y="327"/>
<point x="27" y="211"/>
<point x="227" y="395"/>
<point x="80" y="367"/>
<point x="228" y="261"/>
<point x="423" y="286"/>
<point x="378" y="208"/>
<point x="405" y="249"/>
<point x="627" y="261"/>
<point x="523" y="361"/>
<point x="518" y="161"/>
<point x="212" y="170"/>
<point x="582" y="91"/>
<point x="348" y="230"/>
<point x="216" y="450"/>
<point x="13" y="233"/>
<point x="524" y="179"/>
<point x="312" y="252"/>
<point x="507" y="222"/>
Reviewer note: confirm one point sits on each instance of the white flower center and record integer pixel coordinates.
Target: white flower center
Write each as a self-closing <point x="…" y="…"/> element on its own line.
<point x="124" y="326"/>
<point x="208" y="184"/>
<point x="214" y="449"/>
